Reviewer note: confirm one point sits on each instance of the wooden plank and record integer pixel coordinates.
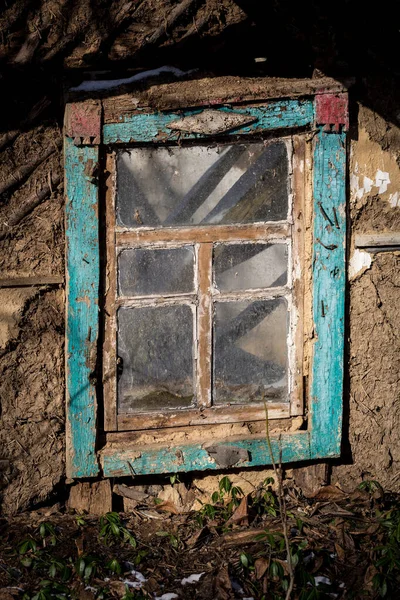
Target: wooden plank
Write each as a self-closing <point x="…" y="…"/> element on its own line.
<point x="203" y="234"/>
<point x="379" y="240"/>
<point x="194" y="417"/>
<point x="120" y="461"/>
<point x="34" y="280"/>
<point x="297" y="312"/>
<point x="204" y="325"/>
<point x="110" y="318"/>
<point x="153" y="127"/>
<point x="82" y="290"/>
<point x="328" y="293"/>
<point x="216" y="90"/>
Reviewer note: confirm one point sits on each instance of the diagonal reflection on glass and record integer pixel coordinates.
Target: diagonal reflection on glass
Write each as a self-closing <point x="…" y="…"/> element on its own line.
<point x="249" y="266"/>
<point x="199" y="185"/>
<point x="155" y="351"/>
<point x="250" y="351"/>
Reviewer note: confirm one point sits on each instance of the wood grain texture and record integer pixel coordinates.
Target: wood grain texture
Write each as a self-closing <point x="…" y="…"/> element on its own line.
<point x="213" y="91"/>
<point x="195" y="417"/>
<point x="326" y="402"/>
<point x="204" y="325"/>
<point x="203" y="234"/>
<point x="83" y="272"/>
<point x="153" y="127"/>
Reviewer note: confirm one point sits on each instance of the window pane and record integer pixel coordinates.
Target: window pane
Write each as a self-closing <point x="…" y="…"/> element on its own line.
<point x="201" y="185"/>
<point x="145" y="271"/>
<point x="250" y="351"/>
<point x="155" y="351"/>
<point x="249" y="266"/>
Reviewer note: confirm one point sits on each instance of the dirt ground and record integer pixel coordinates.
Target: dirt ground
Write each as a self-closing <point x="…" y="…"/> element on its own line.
<point x="237" y="546"/>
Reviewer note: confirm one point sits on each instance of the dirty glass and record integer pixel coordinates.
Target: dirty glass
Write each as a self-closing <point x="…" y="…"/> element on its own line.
<point x="149" y="271"/>
<point x="250" y="351"/>
<point x="200" y="185"/>
<point x="249" y="266"/>
<point x="155" y="358"/>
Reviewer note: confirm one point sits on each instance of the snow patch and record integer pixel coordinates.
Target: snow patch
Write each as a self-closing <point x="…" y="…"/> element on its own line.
<point x="108" y="84"/>
<point x="192" y="578"/>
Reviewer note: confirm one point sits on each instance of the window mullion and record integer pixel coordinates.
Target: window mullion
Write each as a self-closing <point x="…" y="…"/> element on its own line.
<point x="204" y="325"/>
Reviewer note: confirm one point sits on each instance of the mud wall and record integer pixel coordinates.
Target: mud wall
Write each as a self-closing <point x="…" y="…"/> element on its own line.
<point x="46" y="47"/>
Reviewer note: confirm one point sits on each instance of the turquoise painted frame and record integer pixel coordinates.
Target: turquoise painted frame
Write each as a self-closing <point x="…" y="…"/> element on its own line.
<point x="322" y="439"/>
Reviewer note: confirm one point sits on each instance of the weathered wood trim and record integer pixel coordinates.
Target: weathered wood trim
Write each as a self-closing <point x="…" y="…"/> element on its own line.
<point x="34" y="280"/>
<point x="204" y="325"/>
<point x="205" y="416"/>
<point x="153" y="127"/>
<point x="216" y="90"/>
<point x="326" y="402"/>
<point x="377" y="241"/>
<point x="203" y="234"/>
<point x="82" y="290"/>
<point x="120" y="461"/>
<point x="297" y="316"/>
<point x="110" y="317"/>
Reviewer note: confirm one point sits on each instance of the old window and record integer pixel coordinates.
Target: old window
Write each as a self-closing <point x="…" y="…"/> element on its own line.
<point x="222" y="289"/>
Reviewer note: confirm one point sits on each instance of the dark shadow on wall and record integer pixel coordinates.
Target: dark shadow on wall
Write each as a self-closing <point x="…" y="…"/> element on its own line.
<point x="42" y="47"/>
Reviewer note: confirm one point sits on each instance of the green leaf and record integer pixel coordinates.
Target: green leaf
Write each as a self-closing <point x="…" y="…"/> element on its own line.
<point x="244" y="560"/>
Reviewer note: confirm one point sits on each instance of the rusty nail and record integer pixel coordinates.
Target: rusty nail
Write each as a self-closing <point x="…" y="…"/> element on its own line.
<point x="336" y="219"/>
<point x="321" y="208"/>
<point x="327" y="246"/>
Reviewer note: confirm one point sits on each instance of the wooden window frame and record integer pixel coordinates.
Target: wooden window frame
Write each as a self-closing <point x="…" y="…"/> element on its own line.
<point x="92" y="127"/>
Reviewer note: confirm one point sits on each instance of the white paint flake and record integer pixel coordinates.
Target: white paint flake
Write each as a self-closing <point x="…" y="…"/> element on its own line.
<point x="394" y="200"/>
<point x="169" y="596"/>
<point x="359" y="262"/>
<point x="107" y="84"/>
<point x="367" y="184"/>
<point x="382" y="181"/>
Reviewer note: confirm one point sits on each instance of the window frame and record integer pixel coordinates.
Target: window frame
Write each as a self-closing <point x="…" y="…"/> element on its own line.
<point x="88" y="133"/>
<point x="205" y="237"/>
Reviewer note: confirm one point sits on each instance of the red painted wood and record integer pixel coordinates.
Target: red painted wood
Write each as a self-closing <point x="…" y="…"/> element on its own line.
<point x="83" y="122"/>
<point x="332" y="110"/>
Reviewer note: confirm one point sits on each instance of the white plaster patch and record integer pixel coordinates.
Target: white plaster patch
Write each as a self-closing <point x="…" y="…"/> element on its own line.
<point x="394" y="200"/>
<point x="359" y="262"/>
<point x="382" y="181"/>
<point x="367" y="184"/>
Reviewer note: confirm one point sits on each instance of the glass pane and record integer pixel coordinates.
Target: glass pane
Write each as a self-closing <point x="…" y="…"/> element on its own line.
<point x="155" y="352"/>
<point x="148" y="271"/>
<point x="250" y="351"/>
<point x="201" y="185"/>
<point x="249" y="266"/>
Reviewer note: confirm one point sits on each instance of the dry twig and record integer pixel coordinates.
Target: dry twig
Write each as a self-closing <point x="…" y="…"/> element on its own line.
<point x="282" y="506"/>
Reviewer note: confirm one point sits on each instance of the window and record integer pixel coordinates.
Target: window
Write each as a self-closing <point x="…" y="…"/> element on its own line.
<point x="222" y="283"/>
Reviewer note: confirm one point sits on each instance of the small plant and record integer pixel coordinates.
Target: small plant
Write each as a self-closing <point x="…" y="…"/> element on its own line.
<point x="114" y="566"/>
<point x="173" y="539"/>
<point x="49" y="590"/>
<point x="28" y="549"/>
<point x="48" y="534"/>
<point x="80" y="520"/>
<point x="112" y="529"/>
<point x="86" y="567"/>
<point x="60" y="568"/>
<point x="174" y="479"/>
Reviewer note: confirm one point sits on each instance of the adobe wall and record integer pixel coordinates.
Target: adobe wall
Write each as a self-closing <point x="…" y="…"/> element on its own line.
<point x="32" y="384"/>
